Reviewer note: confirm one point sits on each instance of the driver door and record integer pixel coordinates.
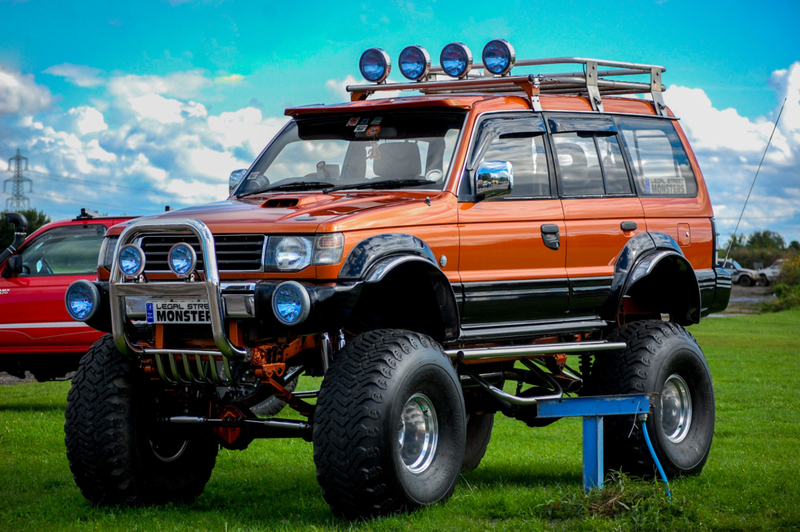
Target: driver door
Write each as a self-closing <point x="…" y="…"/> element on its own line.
<point x="33" y="318"/>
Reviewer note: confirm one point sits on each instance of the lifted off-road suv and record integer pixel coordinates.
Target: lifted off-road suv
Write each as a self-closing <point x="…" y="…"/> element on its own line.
<point x="438" y="259"/>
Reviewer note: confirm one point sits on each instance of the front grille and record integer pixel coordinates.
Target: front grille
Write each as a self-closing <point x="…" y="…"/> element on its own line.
<point x="235" y="253"/>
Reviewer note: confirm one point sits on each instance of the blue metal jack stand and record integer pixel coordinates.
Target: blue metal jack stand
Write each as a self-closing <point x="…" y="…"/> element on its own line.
<point x="593" y="409"/>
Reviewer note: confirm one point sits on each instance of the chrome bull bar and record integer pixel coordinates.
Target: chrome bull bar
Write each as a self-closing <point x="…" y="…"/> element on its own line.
<point x="203" y="370"/>
<point x="208" y="287"/>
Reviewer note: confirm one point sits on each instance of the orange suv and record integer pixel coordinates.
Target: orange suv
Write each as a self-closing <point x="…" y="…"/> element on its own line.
<point x="437" y="259"/>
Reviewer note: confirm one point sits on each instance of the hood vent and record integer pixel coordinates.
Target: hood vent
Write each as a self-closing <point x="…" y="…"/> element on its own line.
<point x="280" y="203"/>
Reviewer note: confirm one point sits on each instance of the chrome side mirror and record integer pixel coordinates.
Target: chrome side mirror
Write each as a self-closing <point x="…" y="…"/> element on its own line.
<point x="494" y="178"/>
<point x="236" y="178"/>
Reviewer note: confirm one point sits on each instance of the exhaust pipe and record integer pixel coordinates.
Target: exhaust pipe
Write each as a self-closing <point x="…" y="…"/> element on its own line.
<point x="20" y="224"/>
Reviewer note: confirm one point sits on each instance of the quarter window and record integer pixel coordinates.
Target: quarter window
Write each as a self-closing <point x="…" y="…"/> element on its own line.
<point x="659" y="162"/>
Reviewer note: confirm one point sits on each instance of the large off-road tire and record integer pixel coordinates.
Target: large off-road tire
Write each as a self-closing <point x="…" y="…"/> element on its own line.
<point x="661" y="358"/>
<point x="117" y="452"/>
<point x="479" y="432"/>
<point x="389" y="427"/>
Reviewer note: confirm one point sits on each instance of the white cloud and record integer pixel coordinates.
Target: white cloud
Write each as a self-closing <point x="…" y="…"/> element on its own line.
<point x="20" y="94"/>
<point x="233" y="79"/>
<point x="80" y="75"/>
<point x="88" y="119"/>
<point x="178" y="85"/>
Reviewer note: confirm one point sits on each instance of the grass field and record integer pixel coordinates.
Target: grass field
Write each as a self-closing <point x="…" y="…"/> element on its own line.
<point x="529" y="480"/>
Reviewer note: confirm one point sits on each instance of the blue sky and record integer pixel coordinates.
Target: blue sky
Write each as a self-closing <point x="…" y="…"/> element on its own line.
<point x="153" y="102"/>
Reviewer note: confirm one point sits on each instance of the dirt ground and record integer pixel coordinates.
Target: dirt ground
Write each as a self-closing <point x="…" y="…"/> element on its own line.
<point x="744" y="300"/>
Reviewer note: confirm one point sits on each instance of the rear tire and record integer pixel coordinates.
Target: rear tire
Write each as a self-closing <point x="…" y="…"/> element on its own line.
<point x="389" y="428"/>
<point x="661" y="358"/>
<point x="117" y="452"/>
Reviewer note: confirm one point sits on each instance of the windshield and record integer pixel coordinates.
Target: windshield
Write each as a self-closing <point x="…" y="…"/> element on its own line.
<point x="408" y="149"/>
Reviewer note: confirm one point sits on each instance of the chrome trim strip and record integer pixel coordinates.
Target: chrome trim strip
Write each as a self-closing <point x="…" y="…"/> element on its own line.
<point x="45" y="325"/>
<point x="209" y="287"/>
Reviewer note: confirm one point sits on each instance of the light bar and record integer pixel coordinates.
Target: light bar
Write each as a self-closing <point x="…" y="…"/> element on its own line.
<point x="498" y="57"/>
<point x="414" y="62"/>
<point x="456" y="60"/>
<point x="375" y="65"/>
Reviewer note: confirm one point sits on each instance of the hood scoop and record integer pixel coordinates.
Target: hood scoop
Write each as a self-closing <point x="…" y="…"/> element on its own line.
<point x="280" y="203"/>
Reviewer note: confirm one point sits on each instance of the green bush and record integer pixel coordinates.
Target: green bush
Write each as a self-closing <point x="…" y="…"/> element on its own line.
<point x="787" y="289"/>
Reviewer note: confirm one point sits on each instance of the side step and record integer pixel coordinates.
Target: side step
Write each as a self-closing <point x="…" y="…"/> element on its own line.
<point x="510" y="351"/>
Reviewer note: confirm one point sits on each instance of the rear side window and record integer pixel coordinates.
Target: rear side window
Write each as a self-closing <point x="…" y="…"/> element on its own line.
<point x="660" y="164"/>
<point x="590" y="164"/>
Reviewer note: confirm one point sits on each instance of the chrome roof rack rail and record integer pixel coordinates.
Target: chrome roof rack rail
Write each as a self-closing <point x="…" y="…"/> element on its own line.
<point x="590" y="82"/>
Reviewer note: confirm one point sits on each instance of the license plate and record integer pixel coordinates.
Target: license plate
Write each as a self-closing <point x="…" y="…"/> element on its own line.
<point x="178" y="311"/>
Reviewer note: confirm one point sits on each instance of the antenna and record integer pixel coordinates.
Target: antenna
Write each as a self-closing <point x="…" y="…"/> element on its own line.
<point x="754" y="182"/>
<point x="18" y="200"/>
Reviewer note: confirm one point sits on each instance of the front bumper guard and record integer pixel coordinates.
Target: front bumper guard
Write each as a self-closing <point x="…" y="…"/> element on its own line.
<point x="209" y="287"/>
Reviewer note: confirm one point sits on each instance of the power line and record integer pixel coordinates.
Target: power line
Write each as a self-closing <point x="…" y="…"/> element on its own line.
<point x="60" y="198"/>
<point x="89" y="182"/>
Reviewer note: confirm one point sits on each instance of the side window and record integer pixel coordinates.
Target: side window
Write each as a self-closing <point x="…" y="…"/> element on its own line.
<point x="590" y="164"/>
<point x="658" y="159"/>
<point x="68" y="250"/>
<point x="578" y="164"/>
<point x="525" y="152"/>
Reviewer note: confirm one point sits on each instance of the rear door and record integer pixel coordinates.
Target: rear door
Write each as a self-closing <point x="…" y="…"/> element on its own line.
<point x="510" y="277"/>
<point x="33" y="318"/>
<point x="601" y="210"/>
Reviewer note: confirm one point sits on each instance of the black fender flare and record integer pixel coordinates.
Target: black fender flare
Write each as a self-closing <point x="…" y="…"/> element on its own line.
<point x="372" y="259"/>
<point x="645" y="254"/>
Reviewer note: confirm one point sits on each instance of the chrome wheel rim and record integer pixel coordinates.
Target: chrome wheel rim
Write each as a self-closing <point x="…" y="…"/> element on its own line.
<point x="166" y="450"/>
<point x="676" y="408"/>
<point x="419" y="433"/>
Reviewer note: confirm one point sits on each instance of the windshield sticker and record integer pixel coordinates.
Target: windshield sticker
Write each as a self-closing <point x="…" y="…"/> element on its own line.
<point x="373" y="131"/>
<point x="364" y="122"/>
<point x="361" y="128"/>
<point x="376" y="120"/>
<point x="353" y="121"/>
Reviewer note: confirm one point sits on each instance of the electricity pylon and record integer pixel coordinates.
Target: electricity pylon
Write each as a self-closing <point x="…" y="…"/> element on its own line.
<point x="18" y="201"/>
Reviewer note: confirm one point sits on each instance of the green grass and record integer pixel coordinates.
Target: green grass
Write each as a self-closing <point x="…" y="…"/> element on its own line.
<point x="529" y="480"/>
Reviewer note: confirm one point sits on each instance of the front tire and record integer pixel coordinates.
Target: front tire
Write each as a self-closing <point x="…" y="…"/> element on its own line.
<point x="389" y="428"/>
<point x="117" y="451"/>
<point x="745" y="280"/>
<point x="661" y="358"/>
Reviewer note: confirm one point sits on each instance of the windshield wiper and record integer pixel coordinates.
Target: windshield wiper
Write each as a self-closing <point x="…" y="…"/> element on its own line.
<point x="299" y="185"/>
<point x="387" y="183"/>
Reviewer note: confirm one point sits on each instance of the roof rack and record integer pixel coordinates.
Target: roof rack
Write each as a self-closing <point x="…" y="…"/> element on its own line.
<point x="591" y="82"/>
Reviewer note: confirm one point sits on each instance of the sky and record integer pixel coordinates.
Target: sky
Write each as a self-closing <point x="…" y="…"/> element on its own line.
<point x="125" y="107"/>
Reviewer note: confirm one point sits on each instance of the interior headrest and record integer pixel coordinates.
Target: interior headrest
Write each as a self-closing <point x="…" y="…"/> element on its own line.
<point x="398" y="160"/>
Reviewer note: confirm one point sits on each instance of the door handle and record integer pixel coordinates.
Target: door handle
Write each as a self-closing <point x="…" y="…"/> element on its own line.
<point x="628" y="226"/>
<point x="550" y="236"/>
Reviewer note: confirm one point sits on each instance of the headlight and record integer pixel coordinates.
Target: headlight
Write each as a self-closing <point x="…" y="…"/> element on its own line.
<point x="293" y="253"/>
<point x="82" y="300"/>
<point x="291" y="303"/>
<point x="182" y="259"/>
<point x="498" y="57"/>
<point x="131" y="260"/>
<point x="456" y="60"/>
<point x="375" y="65"/>
<point x="414" y="62"/>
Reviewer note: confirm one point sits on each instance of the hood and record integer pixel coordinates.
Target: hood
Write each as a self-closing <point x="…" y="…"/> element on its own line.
<point x="311" y="212"/>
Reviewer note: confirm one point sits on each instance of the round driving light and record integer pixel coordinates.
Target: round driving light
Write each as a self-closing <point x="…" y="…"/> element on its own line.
<point x="375" y="65"/>
<point x="414" y="62"/>
<point x="131" y="260"/>
<point x="290" y="303"/>
<point x="456" y="59"/>
<point x="498" y="57"/>
<point x="182" y="259"/>
<point x="82" y="300"/>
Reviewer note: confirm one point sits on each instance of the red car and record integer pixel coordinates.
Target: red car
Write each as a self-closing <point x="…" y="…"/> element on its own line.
<point x="36" y="333"/>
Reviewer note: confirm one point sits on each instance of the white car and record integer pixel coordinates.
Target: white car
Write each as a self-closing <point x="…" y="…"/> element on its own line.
<point x="770" y="275"/>
<point x="739" y="274"/>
